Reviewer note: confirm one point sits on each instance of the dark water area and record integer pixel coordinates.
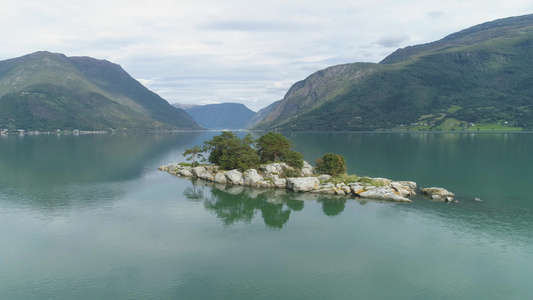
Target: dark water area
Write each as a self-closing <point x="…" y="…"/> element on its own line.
<point x="91" y="217"/>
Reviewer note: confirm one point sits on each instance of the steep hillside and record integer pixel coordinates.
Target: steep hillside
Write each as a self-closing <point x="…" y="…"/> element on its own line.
<point x="480" y="75"/>
<point x="221" y="116"/>
<point x="46" y="91"/>
<point x="262" y="113"/>
<point x="503" y="28"/>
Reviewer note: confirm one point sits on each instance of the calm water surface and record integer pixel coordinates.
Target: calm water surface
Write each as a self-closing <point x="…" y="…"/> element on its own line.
<point x="90" y="217"/>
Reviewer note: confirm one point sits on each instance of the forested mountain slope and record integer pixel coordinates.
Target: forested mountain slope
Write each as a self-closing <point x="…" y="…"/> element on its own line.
<point x="47" y="91"/>
<point x="483" y="74"/>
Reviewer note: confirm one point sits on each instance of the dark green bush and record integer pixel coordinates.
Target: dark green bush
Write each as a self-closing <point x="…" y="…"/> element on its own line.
<point x="291" y="173"/>
<point x="332" y="164"/>
<point x="294" y="158"/>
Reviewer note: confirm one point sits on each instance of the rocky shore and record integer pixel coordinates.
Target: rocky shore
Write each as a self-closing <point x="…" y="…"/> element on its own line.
<point x="275" y="175"/>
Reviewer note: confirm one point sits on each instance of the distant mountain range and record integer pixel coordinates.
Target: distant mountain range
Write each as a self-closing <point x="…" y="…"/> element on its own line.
<point x="219" y="116"/>
<point x="480" y="75"/>
<point x="483" y="74"/>
<point x="48" y="91"/>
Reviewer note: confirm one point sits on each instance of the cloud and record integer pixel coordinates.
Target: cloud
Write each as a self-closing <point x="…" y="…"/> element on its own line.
<point x="393" y="40"/>
<point x="235" y="50"/>
<point x="256" y="26"/>
<point x="435" y="14"/>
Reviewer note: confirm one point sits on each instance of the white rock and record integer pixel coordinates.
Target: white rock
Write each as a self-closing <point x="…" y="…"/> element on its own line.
<point x="251" y="177"/>
<point x="383" y="193"/>
<point x="402" y="189"/>
<point x="437" y="197"/>
<point x="220" y="178"/>
<point x="437" y="191"/>
<point x="327" y="185"/>
<point x="411" y="184"/>
<point x="325" y="177"/>
<point x="273" y="169"/>
<point x="196" y="171"/>
<point x="346" y="189"/>
<point x="339" y="192"/>
<point x="279" y="182"/>
<point x="186" y="173"/>
<point x="303" y="184"/>
<point x="233" y="176"/>
<point x="265" y="184"/>
<point x="200" y="172"/>
<point x="307" y="169"/>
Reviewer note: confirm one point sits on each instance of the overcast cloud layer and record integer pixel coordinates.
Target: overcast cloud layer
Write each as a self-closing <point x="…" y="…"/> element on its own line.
<point x="247" y="51"/>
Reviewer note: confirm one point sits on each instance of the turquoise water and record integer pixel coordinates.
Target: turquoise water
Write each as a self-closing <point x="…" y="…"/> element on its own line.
<point x="90" y="217"/>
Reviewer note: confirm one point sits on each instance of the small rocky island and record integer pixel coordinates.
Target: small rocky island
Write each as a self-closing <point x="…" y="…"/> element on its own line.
<point x="269" y="162"/>
<point x="272" y="176"/>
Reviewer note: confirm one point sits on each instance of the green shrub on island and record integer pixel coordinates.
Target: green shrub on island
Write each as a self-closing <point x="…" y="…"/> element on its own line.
<point x="332" y="164"/>
<point x="370" y="181"/>
<point x="345" y="178"/>
<point x="288" y="173"/>
<point x="294" y="159"/>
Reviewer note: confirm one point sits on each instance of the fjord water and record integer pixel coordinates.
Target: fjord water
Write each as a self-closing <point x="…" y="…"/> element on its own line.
<point x="91" y="217"/>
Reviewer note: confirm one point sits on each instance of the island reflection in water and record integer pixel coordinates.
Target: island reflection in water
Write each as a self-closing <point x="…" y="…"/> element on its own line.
<point x="234" y="204"/>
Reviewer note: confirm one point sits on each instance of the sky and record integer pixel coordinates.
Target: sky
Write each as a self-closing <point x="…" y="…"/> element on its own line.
<point x="249" y="52"/>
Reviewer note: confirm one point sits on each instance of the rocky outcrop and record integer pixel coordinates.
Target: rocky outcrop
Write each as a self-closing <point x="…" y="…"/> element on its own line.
<point x="307" y="170"/>
<point x="404" y="188"/>
<point x="271" y="176"/>
<point x="220" y="178"/>
<point x="251" y="177"/>
<point x="302" y="184"/>
<point x="384" y="193"/>
<point x="201" y="172"/>
<point x="186" y="172"/>
<point x="280" y="183"/>
<point x="275" y="169"/>
<point x="438" y="194"/>
<point x="325" y="177"/>
<point x="234" y="177"/>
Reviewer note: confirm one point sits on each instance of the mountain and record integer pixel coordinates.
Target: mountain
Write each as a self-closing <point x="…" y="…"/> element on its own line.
<point x="47" y="91"/>
<point x="262" y="113"/>
<point x="221" y="116"/>
<point x="483" y="74"/>
<point x="183" y="105"/>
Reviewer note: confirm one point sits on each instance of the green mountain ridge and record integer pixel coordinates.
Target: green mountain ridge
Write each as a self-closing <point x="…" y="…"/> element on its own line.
<point x="48" y="91"/>
<point x="482" y="74"/>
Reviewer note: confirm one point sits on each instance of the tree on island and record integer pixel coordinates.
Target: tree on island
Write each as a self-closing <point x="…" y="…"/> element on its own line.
<point x="194" y="152"/>
<point x="274" y="147"/>
<point x="231" y="152"/>
<point x="332" y="164"/>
